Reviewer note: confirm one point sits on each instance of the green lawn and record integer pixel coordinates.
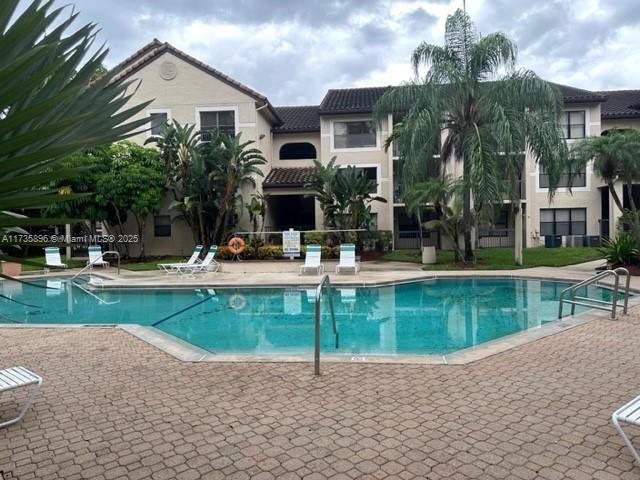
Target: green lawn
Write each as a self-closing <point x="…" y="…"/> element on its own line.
<point x="502" y="258"/>
<point x="39" y="263"/>
<point x="151" y="263"/>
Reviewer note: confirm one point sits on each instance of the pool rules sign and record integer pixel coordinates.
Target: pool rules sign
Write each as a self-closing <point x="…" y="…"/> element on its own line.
<point x="291" y="243"/>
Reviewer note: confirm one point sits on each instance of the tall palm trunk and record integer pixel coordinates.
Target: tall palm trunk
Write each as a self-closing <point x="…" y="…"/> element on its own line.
<point x="224" y="208"/>
<point x="466" y="211"/>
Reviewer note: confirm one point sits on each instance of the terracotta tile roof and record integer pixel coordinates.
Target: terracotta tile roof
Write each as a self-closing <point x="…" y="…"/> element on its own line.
<point x="351" y="100"/>
<point x="579" y="95"/>
<point x="155" y="48"/>
<point x="362" y="100"/>
<point x="621" y="104"/>
<point x="298" y="119"/>
<point x="289" y="177"/>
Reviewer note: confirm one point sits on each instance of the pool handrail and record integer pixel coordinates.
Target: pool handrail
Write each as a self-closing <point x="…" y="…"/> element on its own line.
<point x="89" y="265"/>
<point x="316" y="347"/>
<point x="610" y="306"/>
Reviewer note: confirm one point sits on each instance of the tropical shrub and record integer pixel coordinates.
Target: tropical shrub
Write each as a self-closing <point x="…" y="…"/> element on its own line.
<point x="317" y="238"/>
<point x="133" y="183"/>
<point x="269" y="252"/>
<point x="205" y="179"/>
<point x="52" y="106"/>
<point x="345" y="196"/>
<point x="621" y="250"/>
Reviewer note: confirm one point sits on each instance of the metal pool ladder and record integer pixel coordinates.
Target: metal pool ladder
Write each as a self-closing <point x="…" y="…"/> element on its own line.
<point x="593" y="302"/>
<point x="316" y="348"/>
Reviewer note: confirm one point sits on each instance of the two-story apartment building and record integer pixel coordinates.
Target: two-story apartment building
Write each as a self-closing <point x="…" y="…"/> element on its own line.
<point x="291" y="137"/>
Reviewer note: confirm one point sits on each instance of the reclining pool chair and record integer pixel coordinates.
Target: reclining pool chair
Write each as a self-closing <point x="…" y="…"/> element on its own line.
<point x="312" y="260"/>
<point x="52" y="259"/>
<point x="628" y="413"/>
<point x="209" y="264"/>
<point x="173" y="267"/>
<point x="16" y="377"/>
<point x="348" y="259"/>
<point x="95" y="257"/>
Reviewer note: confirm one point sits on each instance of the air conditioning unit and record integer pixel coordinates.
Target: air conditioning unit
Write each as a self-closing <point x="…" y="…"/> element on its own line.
<point x="573" y="241"/>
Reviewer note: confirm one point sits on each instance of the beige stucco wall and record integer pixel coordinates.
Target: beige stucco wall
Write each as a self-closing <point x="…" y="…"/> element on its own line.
<point x="620" y="123"/>
<point x="579" y="197"/>
<point x="182" y="97"/>
<point x="280" y="139"/>
<point x="373" y="157"/>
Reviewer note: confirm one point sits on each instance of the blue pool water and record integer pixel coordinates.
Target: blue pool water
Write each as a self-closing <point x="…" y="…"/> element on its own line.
<point x="427" y="317"/>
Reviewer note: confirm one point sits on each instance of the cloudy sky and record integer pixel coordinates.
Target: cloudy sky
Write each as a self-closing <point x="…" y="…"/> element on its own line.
<point x="294" y="50"/>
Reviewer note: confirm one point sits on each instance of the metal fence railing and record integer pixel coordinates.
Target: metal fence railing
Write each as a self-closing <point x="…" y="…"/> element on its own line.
<point x="496" y="237"/>
<point x="410" y="239"/>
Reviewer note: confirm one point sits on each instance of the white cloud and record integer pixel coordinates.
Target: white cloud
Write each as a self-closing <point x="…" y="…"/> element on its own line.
<point x="294" y="50"/>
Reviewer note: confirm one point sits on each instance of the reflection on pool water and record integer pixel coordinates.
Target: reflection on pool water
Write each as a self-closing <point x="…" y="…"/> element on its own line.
<point x="428" y="317"/>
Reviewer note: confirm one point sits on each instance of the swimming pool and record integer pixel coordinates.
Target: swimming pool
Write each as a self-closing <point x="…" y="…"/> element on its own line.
<point x="435" y="316"/>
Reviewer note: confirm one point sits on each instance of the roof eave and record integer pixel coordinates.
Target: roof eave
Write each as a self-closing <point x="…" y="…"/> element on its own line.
<point x="295" y="130"/>
<point x="620" y="116"/>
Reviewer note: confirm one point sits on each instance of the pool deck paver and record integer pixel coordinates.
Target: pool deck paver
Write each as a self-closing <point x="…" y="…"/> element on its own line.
<point x="114" y="407"/>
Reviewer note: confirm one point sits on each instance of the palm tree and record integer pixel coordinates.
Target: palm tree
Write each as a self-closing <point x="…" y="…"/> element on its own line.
<point x="486" y="112"/>
<point x="188" y="176"/>
<point x="238" y="166"/>
<point x="257" y="208"/>
<point x="442" y="193"/>
<point x="354" y="197"/>
<point x="615" y="158"/>
<point x="344" y="194"/>
<point x="322" y="186"/>
<point x="51" y="106"/>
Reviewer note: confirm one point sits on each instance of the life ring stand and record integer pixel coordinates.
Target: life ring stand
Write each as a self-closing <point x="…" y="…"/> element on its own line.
<point x="236" y="246"/>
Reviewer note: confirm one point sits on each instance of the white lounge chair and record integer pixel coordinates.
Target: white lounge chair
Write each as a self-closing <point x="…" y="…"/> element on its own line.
<point x="629" y="413"/>
<point x="348" y="259"/>
<point x="173" y="267"/>
<point x="52" y="259"/>
<point x="16" y="377"/>
<point x="95" y="257"/>
<point x="209" y="264"/>
<point x="312" y="260"/>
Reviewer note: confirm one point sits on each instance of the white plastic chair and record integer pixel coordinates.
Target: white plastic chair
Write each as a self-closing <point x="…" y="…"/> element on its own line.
<point x="173" y="267"/>
<point x="209" y="264"/>
<point x="16" y="377"/>
<point x="628" y="413"/>
<point x="312" y="260"/>
<point x="52" y="258"/>
<point x="348" y="258"/>
<point x="95" y="257"/>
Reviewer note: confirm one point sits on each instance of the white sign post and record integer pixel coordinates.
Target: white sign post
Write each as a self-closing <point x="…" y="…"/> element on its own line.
<point x="291" y="243"/>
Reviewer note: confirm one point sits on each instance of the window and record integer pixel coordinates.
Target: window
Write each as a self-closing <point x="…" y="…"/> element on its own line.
<point x="568" y="179"/>
<point x="354" y="134"/>
<point x="158" y="121"/>
<point x="370" y="173"/>
<point x="162" y="226"/>
<point x="573" y="124"/>
<point x="563" y="221"/>
<point x="224" y="121"/>
<point x="298" y="151"/>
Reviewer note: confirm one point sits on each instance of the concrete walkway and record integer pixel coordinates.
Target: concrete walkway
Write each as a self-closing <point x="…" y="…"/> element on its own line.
<point x="284" y="274"/>
<point x="113" y="407"/>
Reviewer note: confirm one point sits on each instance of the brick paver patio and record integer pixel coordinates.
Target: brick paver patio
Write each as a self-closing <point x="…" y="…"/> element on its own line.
<point x="115" y="407"/>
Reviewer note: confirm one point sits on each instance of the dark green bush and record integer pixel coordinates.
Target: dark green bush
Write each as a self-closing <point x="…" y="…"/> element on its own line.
<point x="621" y="250"/>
